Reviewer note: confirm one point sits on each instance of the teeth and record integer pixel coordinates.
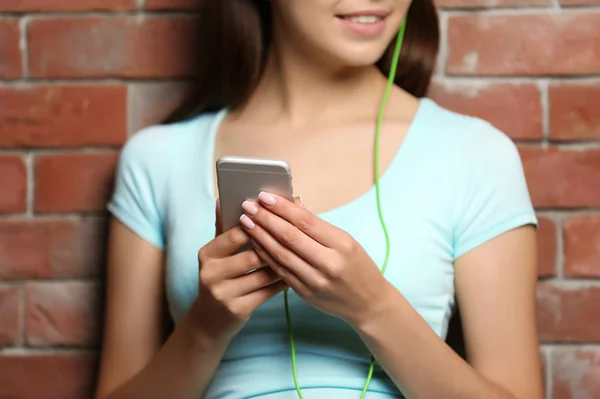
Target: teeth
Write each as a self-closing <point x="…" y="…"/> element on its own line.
<point x="364" y="19"/>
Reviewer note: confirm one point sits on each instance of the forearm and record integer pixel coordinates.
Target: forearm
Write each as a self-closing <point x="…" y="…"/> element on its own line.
<point x="183" y="368"/>
<point x="420" y="363"/>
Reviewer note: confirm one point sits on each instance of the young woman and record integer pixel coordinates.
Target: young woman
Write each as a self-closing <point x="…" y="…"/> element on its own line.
<point x="302" y="81"/>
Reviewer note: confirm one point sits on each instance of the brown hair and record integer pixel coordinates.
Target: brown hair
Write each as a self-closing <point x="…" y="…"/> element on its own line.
<point x="234" y="41"/>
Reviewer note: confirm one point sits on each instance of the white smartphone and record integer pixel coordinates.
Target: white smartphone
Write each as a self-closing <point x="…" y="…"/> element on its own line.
<point x="243" y="178"/>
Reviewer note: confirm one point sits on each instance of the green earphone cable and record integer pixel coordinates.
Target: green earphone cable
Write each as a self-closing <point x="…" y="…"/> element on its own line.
<point x="391" y="78"/>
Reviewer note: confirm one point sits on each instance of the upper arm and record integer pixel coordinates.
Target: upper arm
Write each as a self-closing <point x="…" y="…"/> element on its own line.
<point x="134" y="314"/>
<point x="135" y="296"/>
<point x="495" y="285"/>
<point x="495" y="265"/>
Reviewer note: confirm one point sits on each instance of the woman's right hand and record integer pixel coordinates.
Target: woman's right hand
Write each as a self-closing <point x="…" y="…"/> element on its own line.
<point x="228" y="291"/>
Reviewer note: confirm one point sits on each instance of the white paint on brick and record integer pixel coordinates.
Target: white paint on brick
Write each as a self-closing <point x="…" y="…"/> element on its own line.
<point x="560" y="247"/>
<point x="443" y="51"/>
<point x="543" y="85"/>
<point x="573" y="369"/>
<point x="29" y="167"/>
<point x="470" y="61"/>
<point x="23" y="45"/>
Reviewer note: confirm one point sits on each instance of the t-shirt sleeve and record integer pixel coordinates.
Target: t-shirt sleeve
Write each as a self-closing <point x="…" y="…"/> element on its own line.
<point x="137" y="187"/>
<point x="495" y="198"/>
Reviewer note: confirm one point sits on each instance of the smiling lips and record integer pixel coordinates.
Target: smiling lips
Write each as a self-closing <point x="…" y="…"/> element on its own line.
<point x="365" y="23"/>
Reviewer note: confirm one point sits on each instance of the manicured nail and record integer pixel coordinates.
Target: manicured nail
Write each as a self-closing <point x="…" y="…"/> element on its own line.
<point x="247" y="222"/>
<point x="302" y="201"/>
<point x="249" y="207"/>
<point x="266" y="198"/>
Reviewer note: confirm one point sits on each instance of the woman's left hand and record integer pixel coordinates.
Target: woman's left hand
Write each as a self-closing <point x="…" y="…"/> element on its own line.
<point x="322" y="263"/>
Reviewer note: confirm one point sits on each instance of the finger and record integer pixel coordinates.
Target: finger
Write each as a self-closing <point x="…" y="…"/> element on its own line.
<point x="258" y="297"/>
<point x="227" y="243"/>
<point x="218" y="223"/>
<point x="250" y="282"/>
<point x="237" y="265"/>
<point x="285" y="232"/>
<point x="294" y="281"/>
<point x="307" y="222"/>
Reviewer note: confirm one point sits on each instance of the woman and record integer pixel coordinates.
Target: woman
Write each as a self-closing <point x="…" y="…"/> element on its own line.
<point x="302" y="81"/>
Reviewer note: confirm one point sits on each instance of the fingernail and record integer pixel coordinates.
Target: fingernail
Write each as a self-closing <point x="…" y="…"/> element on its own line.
<point x="249" y="207"/>
<point x="247" y="222"/>
<point x="302" y="201"/>
<point x="266" y="198"/>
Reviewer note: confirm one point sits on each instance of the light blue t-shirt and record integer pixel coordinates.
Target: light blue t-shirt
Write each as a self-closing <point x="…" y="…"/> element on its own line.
<point x="455" y="183"/>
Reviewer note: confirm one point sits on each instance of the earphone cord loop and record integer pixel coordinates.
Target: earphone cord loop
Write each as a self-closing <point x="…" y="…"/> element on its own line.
<point x="390" y="84"/>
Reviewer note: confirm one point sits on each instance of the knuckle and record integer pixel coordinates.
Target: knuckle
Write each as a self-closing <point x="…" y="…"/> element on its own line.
<point x="347" y="245"/>
<point x="218" y="294"/>
<point x="238" y="311"/>
<point x="205" y="277"/>
<point x="252" y="258"/>
<point x="334" y="270"/>
<point x="202" y="255"/>
<point x="305" y="224"/>
<point x="236" y="237"/>
<point x="280" y="256"/>
<point x="207" y="274"/>
<point x="290" y="235"/>
<point x="322" y="285"/>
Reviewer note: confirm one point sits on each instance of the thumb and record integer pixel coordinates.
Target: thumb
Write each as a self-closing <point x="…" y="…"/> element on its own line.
<point x="298" y="201"/>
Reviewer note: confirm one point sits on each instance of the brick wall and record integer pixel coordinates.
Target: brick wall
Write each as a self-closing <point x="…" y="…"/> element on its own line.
<point x="78" y="76"/>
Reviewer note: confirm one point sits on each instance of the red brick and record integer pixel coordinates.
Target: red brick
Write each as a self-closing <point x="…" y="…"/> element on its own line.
<point x="568" y="313"/>
<point x="112" y="47"/>
<point x="51" y="376"/>
<point x="10" y="330"/>
<point x="173" y="4"/>
<point x="10" y="53"/>
<point x="514" y="109"/>
<point x="544" y="44"/>
<point x="35" y="249"/>
<point x="563" y="178"/>
<point x="150" y="103"/>
<point x="490" y="4"/>
<point x="547" y="247"/>
<point x="63" y="313"/>
<point x="65" y="5"/>
<point x="574" y="112"/>
<point x="66" y="116"/>
<point x="576" y="373"/>
<point x="13" y="181"/>
<point x="74" y="182"/>
<point x="582" y="246"/>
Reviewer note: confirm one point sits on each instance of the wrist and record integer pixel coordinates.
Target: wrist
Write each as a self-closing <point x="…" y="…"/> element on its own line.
<point x="202" y="337"/>
<point x="383" y="306"/>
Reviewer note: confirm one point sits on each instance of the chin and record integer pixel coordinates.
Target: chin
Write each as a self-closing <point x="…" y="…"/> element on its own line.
<point x="361" y="60"/>
<point x="360" y="57"/>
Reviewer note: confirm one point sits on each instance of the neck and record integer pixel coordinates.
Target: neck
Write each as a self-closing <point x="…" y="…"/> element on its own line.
<point x="297" y="91"/>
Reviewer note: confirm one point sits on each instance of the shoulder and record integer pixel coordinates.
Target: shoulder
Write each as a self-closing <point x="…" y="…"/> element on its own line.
<point x="154" y="149"/>
<point x="145" y="170"/>
<point x="471" y="142"/>
<point x="154" y="142"/>
<point x="484" y="177"/>
<point x="151" y="157"/>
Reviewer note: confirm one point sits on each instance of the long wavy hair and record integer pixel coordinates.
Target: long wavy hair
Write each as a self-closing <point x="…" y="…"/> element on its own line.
<point x="234" y="40"/>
